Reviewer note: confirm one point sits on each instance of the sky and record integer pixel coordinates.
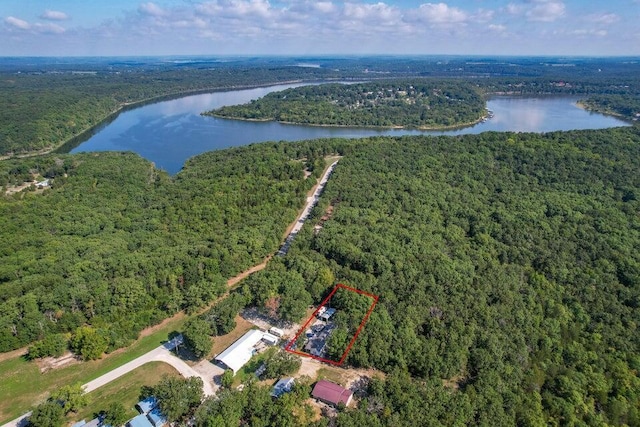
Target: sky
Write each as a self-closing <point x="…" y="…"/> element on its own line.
<point x="319" y="27"/>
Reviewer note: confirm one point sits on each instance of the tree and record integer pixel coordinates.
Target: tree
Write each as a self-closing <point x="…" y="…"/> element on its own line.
<point x="197" y="336"/>
<point x="281" y="363"/>
<point x="178" y="397"/>
<point x="52" y="345"/>
<point x="116" y="415"/>
<point x="47" y="414"/>
<point x="71" y="397"/>
<point x="88" y="343"/>
<point x="226" y="379"/>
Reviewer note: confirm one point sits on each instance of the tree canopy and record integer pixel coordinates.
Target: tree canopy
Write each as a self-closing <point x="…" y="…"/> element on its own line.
<point x="425" y="104"/>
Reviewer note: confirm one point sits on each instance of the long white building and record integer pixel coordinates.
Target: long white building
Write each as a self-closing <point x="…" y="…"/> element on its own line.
<point x="241" y="351"/>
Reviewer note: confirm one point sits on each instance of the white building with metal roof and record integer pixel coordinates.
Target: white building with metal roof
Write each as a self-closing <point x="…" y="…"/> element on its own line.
<point x="241" y="351"/>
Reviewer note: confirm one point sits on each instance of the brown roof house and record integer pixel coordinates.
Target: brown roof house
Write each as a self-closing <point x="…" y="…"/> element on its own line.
<point x="331" y="393"/>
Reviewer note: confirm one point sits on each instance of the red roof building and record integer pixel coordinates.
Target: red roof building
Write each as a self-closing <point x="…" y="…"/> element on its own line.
<point x="332" y="393"/>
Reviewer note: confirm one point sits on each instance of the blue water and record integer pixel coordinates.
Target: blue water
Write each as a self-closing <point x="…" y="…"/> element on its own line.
<point x="170" y="132"/>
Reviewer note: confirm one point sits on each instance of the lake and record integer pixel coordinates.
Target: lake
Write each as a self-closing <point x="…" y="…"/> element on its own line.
<point x="169" y="132"/>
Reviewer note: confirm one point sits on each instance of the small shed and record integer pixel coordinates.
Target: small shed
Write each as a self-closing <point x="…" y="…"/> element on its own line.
<point x="157" y="418"/>
<point x="326" y="315"/>
<point x="145" y="406"/>
<point x="270" y="339"/>
<point x="331" y="393"/>
<point x="277" y="332"/>
<point x="140" y="421"/>
<point x="284" y="385"/>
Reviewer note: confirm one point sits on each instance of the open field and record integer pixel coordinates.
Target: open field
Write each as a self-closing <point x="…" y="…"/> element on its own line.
<point x="125" y="390"/>
<point x="23" y="386"/>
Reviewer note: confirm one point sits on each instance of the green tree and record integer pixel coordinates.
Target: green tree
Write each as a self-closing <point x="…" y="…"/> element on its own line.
<point x="47" y="414"/>
<point x="52" y="345"/>
<point x="281" y="363"/>
<point x="72" y="397"/>
<point x="116" y="414"/>
<point x="197" y="336"/>
<point x="178" y="397"/>
<point x="226" y="379"/>
<point x="88" y="343"/>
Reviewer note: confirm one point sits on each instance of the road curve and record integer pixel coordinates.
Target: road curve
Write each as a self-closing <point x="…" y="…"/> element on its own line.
<point x="159" y="354"/>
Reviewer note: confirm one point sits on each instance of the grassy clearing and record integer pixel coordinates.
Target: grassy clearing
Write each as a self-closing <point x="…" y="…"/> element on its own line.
<point x="23" y="386"/>
<point x="125" y="390"/>
<point x="222" y="342"/>
<point x="331" y="374"/>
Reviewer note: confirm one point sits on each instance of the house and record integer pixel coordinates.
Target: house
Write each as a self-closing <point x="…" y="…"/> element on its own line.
<point x="145" y="406"/>
<point x="270" y="339"/>
<point x="277" y="332"/>
<point x="241" y="351"/>
<point x="331" y="393"/>
<point x="43" y="184"/>
<point x="140" y="421"/>
<point x="157" y="418"/>
<point x="326" y="314"/>
<point x="284" y="385"/>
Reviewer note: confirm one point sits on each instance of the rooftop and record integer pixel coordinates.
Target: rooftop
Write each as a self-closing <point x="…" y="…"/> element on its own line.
<point x="331" y="392"/>
<point x="241" y="351"/>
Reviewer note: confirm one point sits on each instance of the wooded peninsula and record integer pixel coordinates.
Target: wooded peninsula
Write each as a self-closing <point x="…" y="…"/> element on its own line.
<point x="416" y="104"/>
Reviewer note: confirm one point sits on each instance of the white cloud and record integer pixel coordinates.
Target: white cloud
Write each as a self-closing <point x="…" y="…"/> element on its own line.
<point x="584" y="32"/>
<point x="441" y="13"/>
<point x="151" y="9"/>
<point x="483" y="15"/>
<point x="49" y="28"/>
<point x="235" y="8"/>
<point x="378" y="12"/>
<point x="603" y="18"/>
<point x="38" y="28"/>
<point x="17" y="23"/>
<point x="324" y="6"/>
<point x="54" y="15"/>
<point x="497" y="28"/>
<point x="546" y="11"/>
<point x="514" y="9"/>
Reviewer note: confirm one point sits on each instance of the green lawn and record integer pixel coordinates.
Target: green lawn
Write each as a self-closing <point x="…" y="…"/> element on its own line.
<point x="23" y="386"/>
<point x="125" y="390"/>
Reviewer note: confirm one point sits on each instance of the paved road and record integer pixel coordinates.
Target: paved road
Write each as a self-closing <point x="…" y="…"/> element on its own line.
<point x="159" y="354"/>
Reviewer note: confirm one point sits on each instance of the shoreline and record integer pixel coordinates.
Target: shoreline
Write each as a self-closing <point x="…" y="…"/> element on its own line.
<point x="392" y="127"/>
<point x="132" y="105"/>
<point x="586" y="107"/>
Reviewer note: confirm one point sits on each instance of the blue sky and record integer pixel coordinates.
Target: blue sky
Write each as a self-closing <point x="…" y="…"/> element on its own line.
<point x="313" y="27"/>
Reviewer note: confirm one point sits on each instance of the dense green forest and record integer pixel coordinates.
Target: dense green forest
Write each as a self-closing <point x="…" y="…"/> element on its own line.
<point x="116" y="245"/>
<point x="507" y="266"/>
<point x="508" y="272"/>
<point x="390" y="103"/>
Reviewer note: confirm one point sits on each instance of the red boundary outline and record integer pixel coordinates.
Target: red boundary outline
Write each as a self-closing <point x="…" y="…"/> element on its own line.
<point x="353" y="340"/>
